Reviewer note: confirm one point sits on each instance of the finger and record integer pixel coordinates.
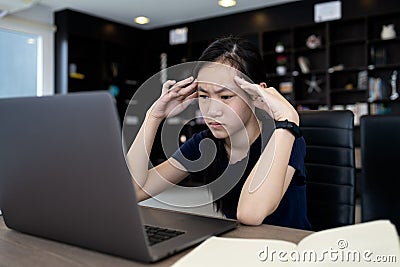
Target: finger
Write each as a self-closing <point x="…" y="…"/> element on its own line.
<point x="190" y="97"/>
<point x="252" y="89"/>
<point x="246" y="85"/>
<point x="185" y="91"/>
<point x="240" y="80"/>
<point x="167" y="85"/>
<point x="183" y="83"/>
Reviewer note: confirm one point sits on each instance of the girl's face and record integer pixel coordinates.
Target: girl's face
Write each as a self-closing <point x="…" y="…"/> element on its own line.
<point x="225" y="107"/>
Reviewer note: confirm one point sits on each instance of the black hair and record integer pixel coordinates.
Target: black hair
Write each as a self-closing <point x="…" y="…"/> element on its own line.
<point x="240" y="54"/>
<point x="244" y="56"/>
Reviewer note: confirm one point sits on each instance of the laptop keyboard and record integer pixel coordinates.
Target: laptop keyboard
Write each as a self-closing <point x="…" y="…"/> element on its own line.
<point x="156" y="235"/>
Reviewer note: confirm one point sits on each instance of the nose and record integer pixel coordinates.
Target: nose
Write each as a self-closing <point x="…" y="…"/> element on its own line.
<point x="214" y="108"/>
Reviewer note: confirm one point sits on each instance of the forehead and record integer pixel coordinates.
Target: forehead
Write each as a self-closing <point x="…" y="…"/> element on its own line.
<point x="217" y="75"/>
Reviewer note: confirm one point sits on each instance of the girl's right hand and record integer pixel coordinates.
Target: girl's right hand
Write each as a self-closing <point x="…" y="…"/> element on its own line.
<point x="175" y="97"/>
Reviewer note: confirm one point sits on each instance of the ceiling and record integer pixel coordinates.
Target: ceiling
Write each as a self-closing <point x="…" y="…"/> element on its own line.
<point x="161" y="12"/>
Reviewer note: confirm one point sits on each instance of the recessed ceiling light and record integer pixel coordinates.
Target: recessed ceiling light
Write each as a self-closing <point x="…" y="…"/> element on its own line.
<point x="227" y="3"/>
<point x="142" y="20"/>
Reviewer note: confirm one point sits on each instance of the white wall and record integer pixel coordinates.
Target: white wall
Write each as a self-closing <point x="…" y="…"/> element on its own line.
<point x="37" y="20"/>
<point x="38" y="13"/>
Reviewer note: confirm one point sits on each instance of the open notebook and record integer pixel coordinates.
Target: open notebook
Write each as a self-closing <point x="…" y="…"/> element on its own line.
<point x="372" y="244"/>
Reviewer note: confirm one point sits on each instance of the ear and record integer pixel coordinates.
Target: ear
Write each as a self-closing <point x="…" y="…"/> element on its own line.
<point x="263" y="85"/>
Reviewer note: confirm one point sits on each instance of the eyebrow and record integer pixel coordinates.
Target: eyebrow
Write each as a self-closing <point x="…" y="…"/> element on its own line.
<point x="223" y="89"/>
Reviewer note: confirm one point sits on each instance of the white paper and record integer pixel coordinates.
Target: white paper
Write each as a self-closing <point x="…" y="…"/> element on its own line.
<point x="328" y="11"/>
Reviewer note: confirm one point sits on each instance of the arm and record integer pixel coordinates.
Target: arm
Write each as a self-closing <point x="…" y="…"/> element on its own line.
<point x="151" y="182"/>
<point x="268" y="195"/>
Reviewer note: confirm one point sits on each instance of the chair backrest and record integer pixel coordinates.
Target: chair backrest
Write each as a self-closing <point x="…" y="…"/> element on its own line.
<point x="380" y="184"/>
<point x="330" y="165"/>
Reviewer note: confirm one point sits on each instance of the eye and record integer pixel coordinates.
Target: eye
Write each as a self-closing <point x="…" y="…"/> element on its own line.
<point x="226" y="97"/>
<point x="203" y="96"/>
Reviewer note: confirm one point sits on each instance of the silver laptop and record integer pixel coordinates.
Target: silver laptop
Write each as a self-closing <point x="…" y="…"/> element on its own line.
<point x="63" y="176"/>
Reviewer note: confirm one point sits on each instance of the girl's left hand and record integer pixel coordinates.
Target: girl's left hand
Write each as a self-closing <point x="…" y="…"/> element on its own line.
<point x="270" y="100"/>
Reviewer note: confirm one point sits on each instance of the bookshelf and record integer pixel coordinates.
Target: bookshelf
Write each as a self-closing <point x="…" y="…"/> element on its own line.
<point x="340" y="68"/>
<point x="351" y="52"/>
<point x="101" y="55"/>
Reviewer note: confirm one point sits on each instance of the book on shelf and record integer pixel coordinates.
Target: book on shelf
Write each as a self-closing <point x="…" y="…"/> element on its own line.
<point x="380" y="109"/>
<point x="364" y="244"/>
<point x="362" y="80"/>
<point x="376" y="89"/>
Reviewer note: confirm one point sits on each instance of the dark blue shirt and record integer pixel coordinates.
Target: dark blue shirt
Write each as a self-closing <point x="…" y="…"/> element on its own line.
<point x="292" y="210"/>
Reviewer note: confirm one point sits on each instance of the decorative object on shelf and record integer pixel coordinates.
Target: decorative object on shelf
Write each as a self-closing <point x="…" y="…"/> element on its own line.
<point x="339" y="67"/>
<point x="349" y="86"/>
<point x="313" y="84"/>
<point x="393" y="82"/>
<point x="388" y="32"/>
<point x="279" y="47"/>
<point x="113" y="90"/>
<point x="281" y="62"/>
<point x="73" y="72"/>
<point x="362" y="80"/>
<point x="114" y="69"/>
<point x="313" y="41"/>
<point x="286" y="87"/>
<point x="304" y="64"/>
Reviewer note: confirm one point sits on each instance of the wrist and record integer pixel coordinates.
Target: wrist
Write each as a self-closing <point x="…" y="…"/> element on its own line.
<point x="292" y="117"/>
<point x="289" y="126"/>
<point x="153" y="117"/>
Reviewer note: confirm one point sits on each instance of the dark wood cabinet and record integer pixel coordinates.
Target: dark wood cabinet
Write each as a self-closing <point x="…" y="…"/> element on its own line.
<point x="94" y="54"/>
<point x="343" y="68"/>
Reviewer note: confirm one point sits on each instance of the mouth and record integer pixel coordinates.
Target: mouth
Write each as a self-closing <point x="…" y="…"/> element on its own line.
<point x="215" y="124"/>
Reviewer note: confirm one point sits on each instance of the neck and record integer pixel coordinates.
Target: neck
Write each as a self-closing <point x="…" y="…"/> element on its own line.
<point x="238" y="144"/>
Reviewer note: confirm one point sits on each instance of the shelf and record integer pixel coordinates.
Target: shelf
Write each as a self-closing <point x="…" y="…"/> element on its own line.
<point x="276" y="75"/>
<point x="311" y="102"/>
<point x="273" y="53"/>
<point x="345" y="70"/>
<point x="387" y="66"/>
<point x="312" y="72"/>
<point x="343" y="43"/>
<point x="345" y="91"/>
<point x="348" y="41"/>
<point x="385" y="101"/>
<point x="379" y="41"/>
<point x="309" y="50"/>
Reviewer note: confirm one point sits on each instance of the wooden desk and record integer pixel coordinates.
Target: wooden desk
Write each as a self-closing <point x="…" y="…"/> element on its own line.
<point x="17" y="249"/>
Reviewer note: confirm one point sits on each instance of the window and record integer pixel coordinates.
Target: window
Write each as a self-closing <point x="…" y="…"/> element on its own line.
<point x="20" y="64"/>
<point x="26" y="57"/>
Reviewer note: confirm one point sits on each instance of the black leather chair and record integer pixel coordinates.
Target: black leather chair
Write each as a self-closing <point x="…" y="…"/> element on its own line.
<point x="380" y="184"/>
<point x="330" y="164"/>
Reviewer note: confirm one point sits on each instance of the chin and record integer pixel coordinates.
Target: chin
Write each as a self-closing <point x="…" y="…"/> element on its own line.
<point x="219" y="134"/>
